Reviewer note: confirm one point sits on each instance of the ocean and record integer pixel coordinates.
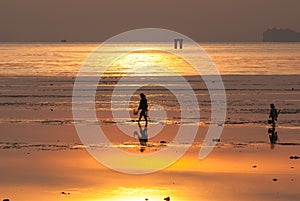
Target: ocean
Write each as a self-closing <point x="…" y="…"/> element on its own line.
<point x="65" y="59"/>
<point x="40" y="77"/>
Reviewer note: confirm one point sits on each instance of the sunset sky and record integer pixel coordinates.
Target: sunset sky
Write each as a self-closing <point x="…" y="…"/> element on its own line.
<point x="98" y="20"/>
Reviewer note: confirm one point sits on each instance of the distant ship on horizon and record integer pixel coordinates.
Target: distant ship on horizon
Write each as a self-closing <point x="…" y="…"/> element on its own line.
<point x="281" y="35"/>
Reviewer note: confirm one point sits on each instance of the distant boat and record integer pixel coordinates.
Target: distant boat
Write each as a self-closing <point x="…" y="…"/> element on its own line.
<point x="63" y="41"/>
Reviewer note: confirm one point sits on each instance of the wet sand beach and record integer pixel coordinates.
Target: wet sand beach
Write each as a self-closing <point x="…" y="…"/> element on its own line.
<point x="42" y="157"/>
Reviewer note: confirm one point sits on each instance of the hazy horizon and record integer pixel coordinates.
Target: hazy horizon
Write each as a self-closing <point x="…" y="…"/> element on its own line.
<point x="96" y="21"/>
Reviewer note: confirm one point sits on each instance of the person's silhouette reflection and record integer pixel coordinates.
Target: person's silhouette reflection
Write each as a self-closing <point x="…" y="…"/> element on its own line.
<point x="143" y="137"/>
<point x="272" y="130"/>
<point x="273" y="136"/>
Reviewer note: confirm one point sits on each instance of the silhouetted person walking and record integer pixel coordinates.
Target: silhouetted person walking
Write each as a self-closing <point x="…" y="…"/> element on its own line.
<point x="273" y="114"/>
<point x="144" y="108"/>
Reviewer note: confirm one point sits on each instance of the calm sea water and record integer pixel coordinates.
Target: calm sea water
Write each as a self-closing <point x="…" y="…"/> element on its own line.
<point x="48" y="72"/>
<point x="230" y="58"/>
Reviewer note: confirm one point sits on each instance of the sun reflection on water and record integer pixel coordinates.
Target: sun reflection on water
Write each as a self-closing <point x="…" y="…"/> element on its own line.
<point x="136" y="194"/>
<point x="149" y="63"/>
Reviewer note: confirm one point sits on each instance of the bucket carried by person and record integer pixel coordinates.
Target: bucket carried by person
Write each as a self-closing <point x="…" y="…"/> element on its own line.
<point x="135" y="111"/>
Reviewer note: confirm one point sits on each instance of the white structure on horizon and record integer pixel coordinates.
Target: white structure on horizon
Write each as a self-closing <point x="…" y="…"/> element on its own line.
<point x="176" y="41"/>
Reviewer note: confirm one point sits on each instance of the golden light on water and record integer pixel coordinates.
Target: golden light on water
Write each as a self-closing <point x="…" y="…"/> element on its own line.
<point x="136" y="194"/>
<point x="150" y="63"/>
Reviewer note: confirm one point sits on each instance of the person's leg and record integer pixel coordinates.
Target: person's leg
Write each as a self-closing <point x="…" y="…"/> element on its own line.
<point x="146" y="120"/>
<point x="141" y="114"/>
<point x="273" y="121"/>
<point x="144" y="113"/>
